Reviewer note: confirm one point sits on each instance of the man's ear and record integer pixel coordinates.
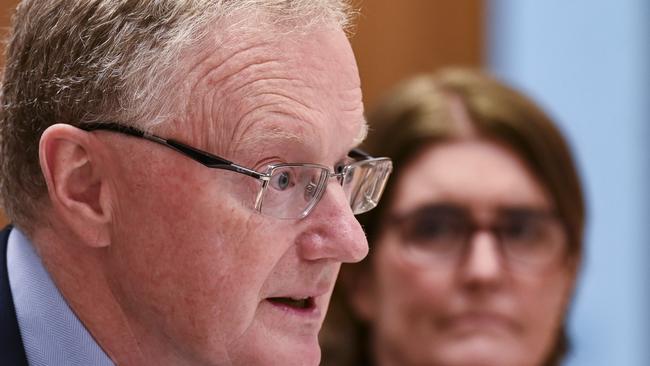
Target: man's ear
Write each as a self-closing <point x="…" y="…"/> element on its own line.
<point x="73" y="164"/>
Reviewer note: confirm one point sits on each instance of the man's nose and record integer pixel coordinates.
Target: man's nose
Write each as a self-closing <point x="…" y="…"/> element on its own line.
<point x="331" y="230"/>
<point x="482" y="264"/>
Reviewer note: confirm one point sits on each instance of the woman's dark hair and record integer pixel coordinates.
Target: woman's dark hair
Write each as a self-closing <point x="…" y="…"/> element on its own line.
<point x="424" y="111"/>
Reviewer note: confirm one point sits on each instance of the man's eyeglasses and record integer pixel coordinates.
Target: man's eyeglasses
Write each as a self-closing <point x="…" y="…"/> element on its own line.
<point x="439" y="234"/>
<point x="288" y="191"/>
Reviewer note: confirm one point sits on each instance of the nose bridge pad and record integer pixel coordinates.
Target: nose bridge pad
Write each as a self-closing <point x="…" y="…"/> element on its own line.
<point x="317" y="190"/>
<point x="311" y="190"/>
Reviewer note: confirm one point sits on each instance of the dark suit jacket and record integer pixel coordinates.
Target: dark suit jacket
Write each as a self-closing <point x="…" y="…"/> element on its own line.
<point x="12" y="351"/>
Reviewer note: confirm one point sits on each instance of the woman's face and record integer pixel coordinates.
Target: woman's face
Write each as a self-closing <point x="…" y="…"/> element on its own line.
<point x="471" y="267"/>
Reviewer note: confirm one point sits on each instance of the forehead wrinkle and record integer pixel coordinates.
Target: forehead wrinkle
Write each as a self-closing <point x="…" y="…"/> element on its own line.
<point x="240" y="110"/>
<point x="275" y="77"/>
<point x="292" y="81"/>
<point x="247" y="139"/>
<point x="278" y="106"/>
<point x="206" y="66"/>
<point x="250" y="137"/>
<point x="262" y="106"/>
<point x="212" y="68"/>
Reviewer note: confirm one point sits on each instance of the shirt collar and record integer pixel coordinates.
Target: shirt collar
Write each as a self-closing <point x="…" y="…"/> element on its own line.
<point x="51" y="332"/>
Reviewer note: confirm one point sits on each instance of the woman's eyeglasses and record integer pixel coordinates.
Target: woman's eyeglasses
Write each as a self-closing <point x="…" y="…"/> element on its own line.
<point x="529" y="238"/>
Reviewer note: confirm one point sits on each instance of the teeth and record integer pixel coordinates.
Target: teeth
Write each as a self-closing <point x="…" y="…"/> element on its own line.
<point x="296" y="303"/>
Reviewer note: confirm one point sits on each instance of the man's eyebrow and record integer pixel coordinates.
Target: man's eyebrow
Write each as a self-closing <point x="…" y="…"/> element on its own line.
<point x="363" y="133"/>
<point x="279" y="135"/>
<point x="268" y="136"/>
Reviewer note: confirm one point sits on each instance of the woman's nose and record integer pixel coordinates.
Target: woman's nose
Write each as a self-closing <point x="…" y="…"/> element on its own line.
<point x="482" y="264"/>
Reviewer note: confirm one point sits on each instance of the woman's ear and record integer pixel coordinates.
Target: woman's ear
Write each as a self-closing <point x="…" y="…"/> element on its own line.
<point x="73" y="163"/>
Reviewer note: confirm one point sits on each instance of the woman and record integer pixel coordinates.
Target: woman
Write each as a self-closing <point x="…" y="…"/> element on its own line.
<point x="475" y="250"/>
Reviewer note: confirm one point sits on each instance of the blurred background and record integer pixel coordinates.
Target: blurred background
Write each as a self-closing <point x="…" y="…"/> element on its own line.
<point x="588" y="63"/>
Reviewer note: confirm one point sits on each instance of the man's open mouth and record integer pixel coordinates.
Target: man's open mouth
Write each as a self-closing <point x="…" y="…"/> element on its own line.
<point x="302" y="304"/>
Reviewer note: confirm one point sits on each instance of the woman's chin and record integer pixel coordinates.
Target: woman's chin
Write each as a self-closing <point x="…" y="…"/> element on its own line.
<point x="484" y="351"/>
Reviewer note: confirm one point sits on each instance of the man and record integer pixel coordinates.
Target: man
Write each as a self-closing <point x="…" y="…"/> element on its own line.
<point x="182" y="178"/>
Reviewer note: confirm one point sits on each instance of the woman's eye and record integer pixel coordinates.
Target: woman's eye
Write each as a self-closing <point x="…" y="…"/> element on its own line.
<point x="436" y="229"/>
<point x="528" y="232"/>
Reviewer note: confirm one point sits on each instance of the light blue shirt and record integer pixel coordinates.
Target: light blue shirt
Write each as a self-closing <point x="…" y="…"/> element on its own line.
<point x="51" y="332"/>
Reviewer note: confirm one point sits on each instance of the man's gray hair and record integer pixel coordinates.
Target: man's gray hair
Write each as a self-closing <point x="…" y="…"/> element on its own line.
<point x="112" y="60"/>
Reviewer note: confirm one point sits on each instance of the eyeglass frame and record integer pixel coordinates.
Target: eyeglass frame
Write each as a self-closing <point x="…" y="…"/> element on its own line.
<point x="216" y="162"/>
<point x="472" y="228"/>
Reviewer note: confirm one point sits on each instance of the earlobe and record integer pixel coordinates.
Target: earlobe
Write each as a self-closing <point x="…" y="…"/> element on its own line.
<point x="71" y="162"/>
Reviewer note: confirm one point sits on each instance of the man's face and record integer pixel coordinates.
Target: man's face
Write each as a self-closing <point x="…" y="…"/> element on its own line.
<point x="202" y="277"/>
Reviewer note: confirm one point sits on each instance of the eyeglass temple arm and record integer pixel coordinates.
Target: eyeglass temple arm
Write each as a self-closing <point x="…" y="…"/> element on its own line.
<point x="357" y="153"/>
<point x="203" y="157"/>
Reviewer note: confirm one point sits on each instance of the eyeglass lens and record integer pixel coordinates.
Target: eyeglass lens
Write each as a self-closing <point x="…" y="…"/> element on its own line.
<point x="364" y="184"/>
<point x="294" y="189"/>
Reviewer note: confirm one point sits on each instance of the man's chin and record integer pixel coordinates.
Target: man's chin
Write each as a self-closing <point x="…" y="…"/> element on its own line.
<point x="279" y="350"/>
<point x="284" y="336"/>
<point x="300" y="352"/>
<point x="306" y="356"/>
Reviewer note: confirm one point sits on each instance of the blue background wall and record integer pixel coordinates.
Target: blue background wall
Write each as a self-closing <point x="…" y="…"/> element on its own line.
<point x="588" y="63"/>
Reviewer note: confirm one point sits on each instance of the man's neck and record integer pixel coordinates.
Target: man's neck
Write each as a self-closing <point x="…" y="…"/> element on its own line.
<point x="77" y="272"/>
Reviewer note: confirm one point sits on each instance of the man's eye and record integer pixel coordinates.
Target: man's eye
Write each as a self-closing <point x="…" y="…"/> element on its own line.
<point x="282" y="180"/>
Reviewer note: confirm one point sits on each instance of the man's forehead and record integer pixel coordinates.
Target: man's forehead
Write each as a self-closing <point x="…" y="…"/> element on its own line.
<point x="266" y="91"/>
